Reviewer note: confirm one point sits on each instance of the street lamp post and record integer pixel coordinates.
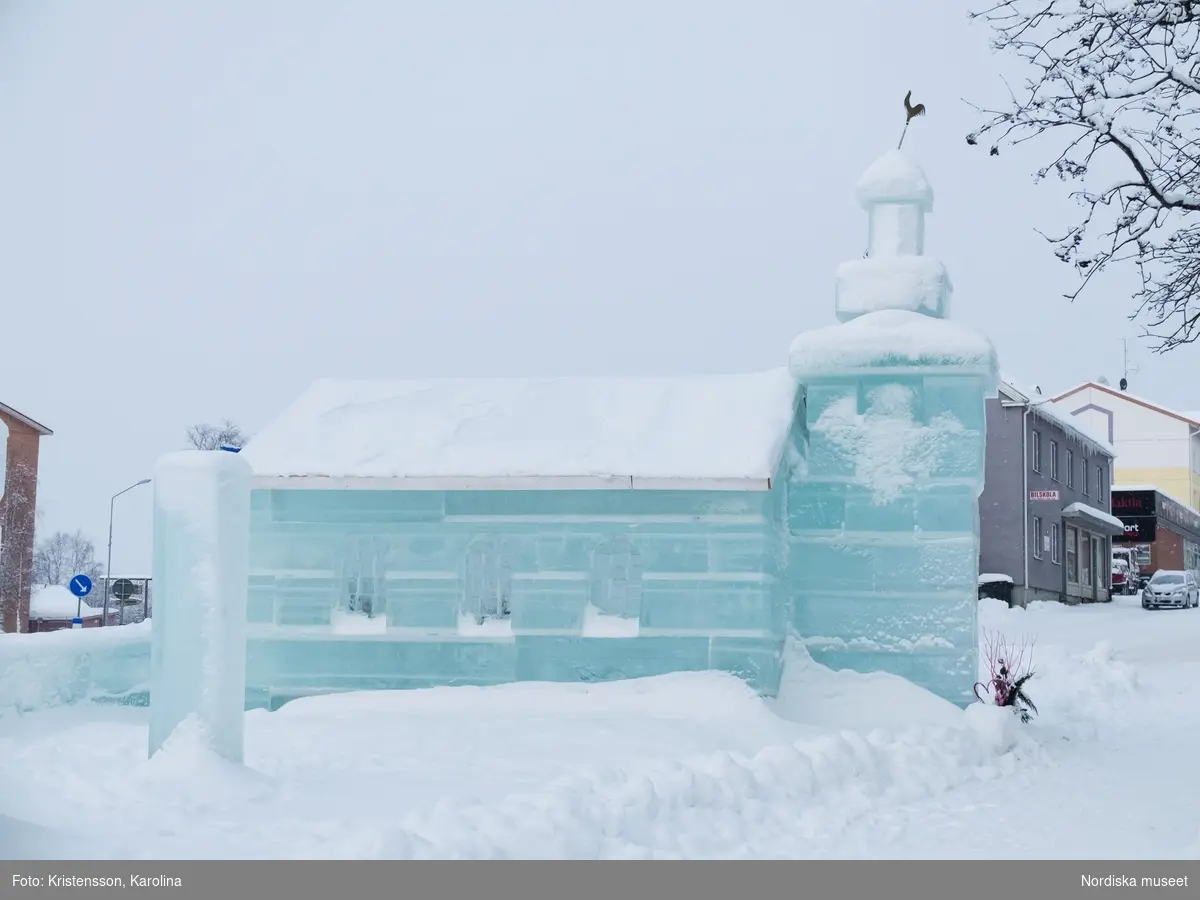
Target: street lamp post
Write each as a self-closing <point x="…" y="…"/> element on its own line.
<point x="108" y="565"/>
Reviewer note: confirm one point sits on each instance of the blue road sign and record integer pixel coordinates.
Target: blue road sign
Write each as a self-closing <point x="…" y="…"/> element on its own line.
<point x="80" y="585"/>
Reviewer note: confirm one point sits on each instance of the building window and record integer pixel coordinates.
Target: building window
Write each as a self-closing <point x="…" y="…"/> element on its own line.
<point x="1037" y="537"/>
<point x="1085" y="477"/>
<point x="488" y="583"/>
<point x="1072" y="554"/>
<point x="1099" y="482"/>
<point x="1085" y="559"/>
<point x="1070" y="468"/>
<point x="1054" y="460"/>
<point x="1055" y="539"/>
<point x="1191" y="557"/>
<point x="617" y="579"/>
<point x="1035" y="451"/>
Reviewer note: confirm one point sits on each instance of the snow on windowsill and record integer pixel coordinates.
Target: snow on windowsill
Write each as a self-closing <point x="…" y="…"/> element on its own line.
<point x="345" y="622"/>
<point x="488" y="628"/>
<point x="599" y="625"/>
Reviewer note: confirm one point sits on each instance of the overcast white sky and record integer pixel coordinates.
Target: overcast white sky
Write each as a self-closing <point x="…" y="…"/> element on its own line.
<point x="204" y="205"/>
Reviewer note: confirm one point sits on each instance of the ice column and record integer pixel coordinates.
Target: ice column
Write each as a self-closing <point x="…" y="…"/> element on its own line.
<point x="201" y="568"/>
<point x="883" y="514"/>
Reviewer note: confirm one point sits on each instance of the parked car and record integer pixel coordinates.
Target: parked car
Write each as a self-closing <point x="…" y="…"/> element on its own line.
<point x="1168" y="587"/>
<point x="1135" y="581"/>
<point x="1122" y="578"/>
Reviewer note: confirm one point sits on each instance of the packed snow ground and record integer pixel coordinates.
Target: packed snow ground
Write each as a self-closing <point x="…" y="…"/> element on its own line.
<point x="688" y="765"/>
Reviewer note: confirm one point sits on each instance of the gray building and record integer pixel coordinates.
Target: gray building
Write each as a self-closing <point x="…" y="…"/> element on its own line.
<point x="1045" y="515"/>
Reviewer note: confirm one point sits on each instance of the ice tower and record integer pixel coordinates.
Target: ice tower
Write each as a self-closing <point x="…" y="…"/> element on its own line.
<point x="883" y="513"/>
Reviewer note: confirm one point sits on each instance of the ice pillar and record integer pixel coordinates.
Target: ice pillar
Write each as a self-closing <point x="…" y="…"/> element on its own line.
<point x="883" y="515"/>
<point x="201" y="568"/>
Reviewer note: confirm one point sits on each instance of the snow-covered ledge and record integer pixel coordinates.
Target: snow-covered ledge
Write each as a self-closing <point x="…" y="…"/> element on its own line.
<point x="1096" y="519"/>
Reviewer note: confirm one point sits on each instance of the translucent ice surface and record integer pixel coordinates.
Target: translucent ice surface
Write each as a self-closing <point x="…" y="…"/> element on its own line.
<point x="478" y="531"/>
<point x="198" y="632"/>
<point x="883" y="515"/>
<point x="484" y="587"/>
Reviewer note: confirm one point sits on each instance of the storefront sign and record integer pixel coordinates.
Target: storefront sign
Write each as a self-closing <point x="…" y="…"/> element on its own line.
<point x="1139" y="529"/>
<point x="1043" y="495"/>
<point x="1181" y="516"/>
<point x="1134" y="503"/>
<point x="1141" y="510"/>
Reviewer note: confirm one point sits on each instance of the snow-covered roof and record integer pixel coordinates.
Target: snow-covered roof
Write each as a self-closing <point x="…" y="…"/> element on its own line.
<point x="1044" y="408"/>
<point x="894" y="178"/>
<point x="890" y="337"/>
<point x="1192" y="417"/>
<point x="721" y="432"/>
<point x="41" y="429"/>
<point x="53" y="601"/>
<point x="1082" y="510"/>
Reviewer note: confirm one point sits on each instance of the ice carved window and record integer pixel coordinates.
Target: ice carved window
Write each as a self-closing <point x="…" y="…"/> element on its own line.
<point x="488" y="583"/>
<point x="617" y="579"/>
<point x="362" y="581"/>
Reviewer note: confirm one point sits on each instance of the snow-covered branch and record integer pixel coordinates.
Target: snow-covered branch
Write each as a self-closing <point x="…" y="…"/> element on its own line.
<point x="1114" y="82"/>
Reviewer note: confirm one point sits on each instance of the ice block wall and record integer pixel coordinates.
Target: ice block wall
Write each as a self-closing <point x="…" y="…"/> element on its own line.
<point x="198" y="632"/>
<point x="367" y="589"/>
<point x="883" y="516"/>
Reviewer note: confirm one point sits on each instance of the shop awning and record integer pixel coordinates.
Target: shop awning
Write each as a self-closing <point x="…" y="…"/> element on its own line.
<point x="1093" y="519"/>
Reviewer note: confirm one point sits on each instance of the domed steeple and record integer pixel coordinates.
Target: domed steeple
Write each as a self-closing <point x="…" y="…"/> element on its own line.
<point x="894" y="274"/>
<point x="894" y="178"/>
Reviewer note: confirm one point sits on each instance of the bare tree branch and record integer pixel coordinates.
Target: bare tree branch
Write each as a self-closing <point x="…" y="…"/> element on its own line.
<point x="214" y="437"/>
<point x="1118" y="82"/>
<point x="62" y="556"/>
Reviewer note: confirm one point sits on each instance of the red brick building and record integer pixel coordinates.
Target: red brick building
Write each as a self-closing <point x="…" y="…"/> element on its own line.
<point x="18" y="507"/>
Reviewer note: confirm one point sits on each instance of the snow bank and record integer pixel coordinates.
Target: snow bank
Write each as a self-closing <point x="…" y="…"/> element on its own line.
<point x="891" y="337"/>
<point x="697" y="696"/>
<point x="61" y="667"/>
<point x="887" y="742"/>
<point x="816" y="695"/>
<point x="1081" y="689"/>
<point x="692" y="808"/>
<point x="684" y="427"/>
<point x="21" y="839"/>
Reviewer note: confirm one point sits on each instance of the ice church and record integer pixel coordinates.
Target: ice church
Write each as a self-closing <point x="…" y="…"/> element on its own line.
<point x="408" y="534"/>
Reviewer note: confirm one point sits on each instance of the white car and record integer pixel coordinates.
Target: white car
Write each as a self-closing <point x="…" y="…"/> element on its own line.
<point x="1171" y="588"/>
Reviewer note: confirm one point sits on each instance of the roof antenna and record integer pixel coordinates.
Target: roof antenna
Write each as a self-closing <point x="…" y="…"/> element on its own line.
<point x="1125" y="367"/>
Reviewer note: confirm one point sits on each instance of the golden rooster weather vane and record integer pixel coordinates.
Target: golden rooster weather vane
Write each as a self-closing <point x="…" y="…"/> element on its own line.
<point x="911" y="112"/>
